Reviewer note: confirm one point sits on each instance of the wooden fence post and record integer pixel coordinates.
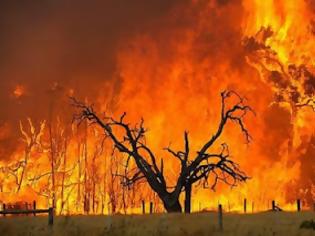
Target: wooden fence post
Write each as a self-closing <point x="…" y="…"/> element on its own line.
<point x="26" y="207"/>
<point x="51" y="216"/>
<point x="143" y="207"/>
<point x="34" y="207"/>
<point x="151" y="207"/>
<point x="298" y="204"/>
<point x="273" y="205"/>
<point x="220" y="215"/>
<point x="245" y="205"/>
<point x="3" y="209"/>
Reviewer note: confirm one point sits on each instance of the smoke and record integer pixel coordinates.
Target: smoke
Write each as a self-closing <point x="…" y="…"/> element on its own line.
<point x="53" y="49"/>
<point x="166" y="60"/>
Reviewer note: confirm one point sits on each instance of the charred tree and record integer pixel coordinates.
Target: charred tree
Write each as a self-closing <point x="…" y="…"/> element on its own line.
<point x="194" y="167"/>
<point x="52" y="165"/>
<point x="64" y="155"/>
<point x="113" y="186"/>
<point x="87" y="186"/>
<point x="78" y="203"/>
<point x="31" y="140"/>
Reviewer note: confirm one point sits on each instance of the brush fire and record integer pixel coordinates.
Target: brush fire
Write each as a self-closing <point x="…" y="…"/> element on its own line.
<point x="109" y="105"/>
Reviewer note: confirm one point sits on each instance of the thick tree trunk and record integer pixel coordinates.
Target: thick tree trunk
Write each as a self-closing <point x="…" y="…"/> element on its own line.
<point x="172" y="206"/>
<point x="188" y="198"/>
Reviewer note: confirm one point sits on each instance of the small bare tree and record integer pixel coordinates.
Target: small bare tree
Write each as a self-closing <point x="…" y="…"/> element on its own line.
<point x="197" y="168"/>
<point x="31" y="140"/>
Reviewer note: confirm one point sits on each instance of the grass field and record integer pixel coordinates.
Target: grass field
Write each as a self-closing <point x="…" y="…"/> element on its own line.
<point x="263" y="224"/>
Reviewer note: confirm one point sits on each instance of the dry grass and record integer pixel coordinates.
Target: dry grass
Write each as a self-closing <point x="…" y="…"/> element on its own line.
<point x="263" y="224"/>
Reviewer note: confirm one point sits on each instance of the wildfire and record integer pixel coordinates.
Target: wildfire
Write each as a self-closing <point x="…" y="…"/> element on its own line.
<point x="171" y="77"/>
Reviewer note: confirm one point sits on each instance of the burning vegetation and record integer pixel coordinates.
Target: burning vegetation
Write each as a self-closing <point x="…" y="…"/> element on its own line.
<point x="141" y="163"/>
<point x="165" y="63"/>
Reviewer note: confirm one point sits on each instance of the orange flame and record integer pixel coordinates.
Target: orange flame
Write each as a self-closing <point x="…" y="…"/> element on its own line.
<point x="171" y="76"/>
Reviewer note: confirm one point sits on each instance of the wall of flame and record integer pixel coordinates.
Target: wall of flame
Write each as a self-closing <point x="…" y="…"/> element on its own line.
<point x="165" y="61"/>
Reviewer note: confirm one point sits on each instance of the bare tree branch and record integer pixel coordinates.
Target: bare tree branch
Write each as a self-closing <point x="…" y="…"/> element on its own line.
<point x="197" y="169"/>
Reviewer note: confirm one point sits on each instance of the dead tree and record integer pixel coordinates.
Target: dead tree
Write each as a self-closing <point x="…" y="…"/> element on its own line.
<point x="64" y="155"/>
<point x="31" y="140"/>
<point x="95" y="170"/>
<point x="87" y="187"/>
<point x="194" y="167"/>
<point x="78" y="202"/>
<point x="52" y="164"/>
<point x="113" y="185"/>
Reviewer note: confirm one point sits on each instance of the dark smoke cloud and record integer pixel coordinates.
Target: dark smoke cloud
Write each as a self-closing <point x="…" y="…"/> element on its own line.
<point x="50" y="46"/>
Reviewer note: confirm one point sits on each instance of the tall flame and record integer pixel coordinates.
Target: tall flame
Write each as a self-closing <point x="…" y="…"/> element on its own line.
<point x="171" y="74"/>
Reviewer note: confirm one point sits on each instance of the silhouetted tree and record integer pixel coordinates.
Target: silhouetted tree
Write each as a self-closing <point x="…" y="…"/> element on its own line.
<point x="194" y="168"/>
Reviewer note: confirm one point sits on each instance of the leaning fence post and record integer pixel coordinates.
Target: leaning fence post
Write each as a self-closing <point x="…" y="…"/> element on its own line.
<point x="245" y="204"/>
<point x="143" y="207"/>
<point x="50" y="216"/>
<point x="298" y="205"/>
<point x="151" y="207"/>
<point x="34" y="207"/>
<point x="220" y="215"/>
